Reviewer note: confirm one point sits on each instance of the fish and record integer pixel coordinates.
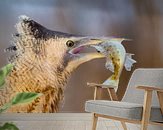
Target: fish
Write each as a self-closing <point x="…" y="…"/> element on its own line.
<point x="116" y="59"/>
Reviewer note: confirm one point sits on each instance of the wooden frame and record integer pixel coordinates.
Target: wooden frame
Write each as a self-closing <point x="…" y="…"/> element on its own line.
<point x="113" y="97"/>
<point x="146" y="106"/>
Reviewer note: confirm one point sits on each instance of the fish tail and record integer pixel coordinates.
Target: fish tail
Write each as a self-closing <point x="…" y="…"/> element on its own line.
<point x="129" y="61"/>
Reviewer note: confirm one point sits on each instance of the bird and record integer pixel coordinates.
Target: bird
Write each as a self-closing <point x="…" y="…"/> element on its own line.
<point x="43" y="61"/>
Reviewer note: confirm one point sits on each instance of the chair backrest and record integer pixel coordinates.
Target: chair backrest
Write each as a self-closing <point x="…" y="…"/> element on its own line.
<point x="152" y="77"/>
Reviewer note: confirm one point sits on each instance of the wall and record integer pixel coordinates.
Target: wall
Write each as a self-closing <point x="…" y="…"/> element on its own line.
<point x="140" y="20"/>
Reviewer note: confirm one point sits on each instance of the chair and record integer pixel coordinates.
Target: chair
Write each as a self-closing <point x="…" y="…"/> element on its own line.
<point x="139" y="107"/>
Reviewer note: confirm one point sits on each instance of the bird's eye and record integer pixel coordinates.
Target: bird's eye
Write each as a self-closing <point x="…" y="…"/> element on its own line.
<point x="70" y="43"/>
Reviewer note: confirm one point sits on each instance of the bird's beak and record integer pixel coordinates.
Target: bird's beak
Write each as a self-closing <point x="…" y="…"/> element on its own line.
<point x="80" y="58"/>
<point x="95" y="41"/>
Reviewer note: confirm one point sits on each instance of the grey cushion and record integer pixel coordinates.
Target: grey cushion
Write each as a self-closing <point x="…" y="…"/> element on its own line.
<point x="125" y="110"/>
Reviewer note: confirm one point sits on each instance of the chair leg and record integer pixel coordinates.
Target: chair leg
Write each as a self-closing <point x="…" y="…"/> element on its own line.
<point x="124" y="125"/>
<point x="144" y="126"/>
<point x="146" y="110"/>
<point x="94" y="121"/>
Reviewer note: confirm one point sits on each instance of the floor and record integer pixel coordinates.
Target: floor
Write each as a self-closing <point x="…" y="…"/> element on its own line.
<point x="60" y="121"/>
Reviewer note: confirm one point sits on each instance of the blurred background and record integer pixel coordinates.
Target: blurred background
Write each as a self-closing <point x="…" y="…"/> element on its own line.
<point x="140" y="20"/>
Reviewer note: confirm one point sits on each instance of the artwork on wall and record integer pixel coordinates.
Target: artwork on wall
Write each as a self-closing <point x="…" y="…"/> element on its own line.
<point x="44" y="60"/>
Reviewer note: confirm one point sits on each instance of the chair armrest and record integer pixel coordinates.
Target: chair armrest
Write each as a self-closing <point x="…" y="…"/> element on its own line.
<point x="146" y="88"/>
<point x="111" y="90"/>
<point x="100" y="85"/>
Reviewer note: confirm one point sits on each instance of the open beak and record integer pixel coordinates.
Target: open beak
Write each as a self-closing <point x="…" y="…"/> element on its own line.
<point x="81" y="51"/>
<point x="79" y="57"/>
<point x="88" y="42"/>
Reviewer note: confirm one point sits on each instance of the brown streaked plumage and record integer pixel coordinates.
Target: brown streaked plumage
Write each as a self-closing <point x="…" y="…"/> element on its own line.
<point x="43" y="64"/>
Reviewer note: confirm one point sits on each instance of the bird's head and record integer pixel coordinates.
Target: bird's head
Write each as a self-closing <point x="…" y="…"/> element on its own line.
<point x="61" y="50"/>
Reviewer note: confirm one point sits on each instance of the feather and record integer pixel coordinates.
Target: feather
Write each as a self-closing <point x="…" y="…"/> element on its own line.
<point x="11" y="49"/>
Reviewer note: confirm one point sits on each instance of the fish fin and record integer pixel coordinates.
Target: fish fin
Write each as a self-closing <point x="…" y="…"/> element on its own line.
<point x="109" y="65"/>
<point x="111" y="82"/>
<point x="129" y="61"/>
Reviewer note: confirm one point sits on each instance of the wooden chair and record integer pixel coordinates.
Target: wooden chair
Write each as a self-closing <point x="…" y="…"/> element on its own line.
<point x="137" y="106"/>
